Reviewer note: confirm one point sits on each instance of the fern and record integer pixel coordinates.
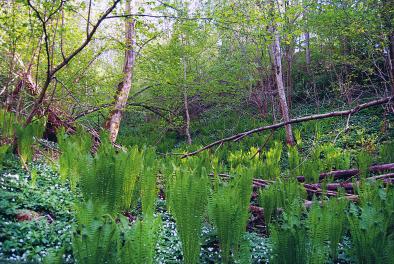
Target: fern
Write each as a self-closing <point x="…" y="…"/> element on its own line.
<point x="75" y="152"/>
<point x="334" y="158"/>
<point x="373" y="194"/>
<point x="187" y="194"/>
<point x="371" y="242"/>
<point x="280" y="194"/>
<point x="8" y="122"/>
<point x="108" y="178"/>
<point x="271" y="164"/>
<point x="386" y="152"/>
<point x="289" y="240"/>
<point x="294" y="161"/>
<point x="335" y="212"/>
<point x="148" y="183"/>
<point x="364" y="160"/>
<point x="229" y="211"/>
<point x="3" y="152"/>
<point x="318" y="234"/>
<point x="140" y="242"/>
<point x="311" y="167"/>
<point x="25" y="138"/>
<point x="54" y="257"/>
<point x="96" y="238"/>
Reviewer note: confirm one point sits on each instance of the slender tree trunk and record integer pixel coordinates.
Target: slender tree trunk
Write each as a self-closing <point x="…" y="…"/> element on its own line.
<point x="391" y="61"/>
<point x="388" y="17"/>
<point x="115" y="117"/>
<point x="186" y="104"/>
<point x="277" y="63"/>
<point x="307" y="49"/>
<point x="309" y="70"/>
<point x="289" y="80"/>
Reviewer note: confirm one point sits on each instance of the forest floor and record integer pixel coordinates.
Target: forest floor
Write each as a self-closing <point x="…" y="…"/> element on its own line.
<point x="36" y="209"/>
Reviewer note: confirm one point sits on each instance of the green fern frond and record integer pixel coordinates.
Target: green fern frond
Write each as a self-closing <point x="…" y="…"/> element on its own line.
<point x="140" y="242"/>
<point x="228" y="209"/>
<point x="26" y="136"/>
<point x="187" y="194"/>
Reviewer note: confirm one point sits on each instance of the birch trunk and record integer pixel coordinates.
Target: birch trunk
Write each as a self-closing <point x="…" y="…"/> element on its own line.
<point x="186" y="105"/>
<point x="277" y="63"/>
<point x="113" y="122"/>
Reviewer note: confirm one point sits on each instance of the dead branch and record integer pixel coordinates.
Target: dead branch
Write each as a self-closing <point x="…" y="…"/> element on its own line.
<point x="239" y="136"/>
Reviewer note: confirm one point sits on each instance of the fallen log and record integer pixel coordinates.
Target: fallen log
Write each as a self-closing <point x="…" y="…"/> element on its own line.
<point x="343" y="174"/>
<point x="350" y="186"/>
<point x="311" y="189"/>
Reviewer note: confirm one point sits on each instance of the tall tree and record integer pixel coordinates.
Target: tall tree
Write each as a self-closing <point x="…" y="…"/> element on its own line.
<point x="277" y="65"/>
<point x="124" y="87"/>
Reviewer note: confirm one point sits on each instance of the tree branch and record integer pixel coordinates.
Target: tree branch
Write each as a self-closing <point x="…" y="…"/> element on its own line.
<point x="239" y="136"/>
<point x="51" y="72"/>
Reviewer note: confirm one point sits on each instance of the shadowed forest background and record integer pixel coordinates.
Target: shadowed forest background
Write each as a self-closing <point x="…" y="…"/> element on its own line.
<point x="204" y="131"/>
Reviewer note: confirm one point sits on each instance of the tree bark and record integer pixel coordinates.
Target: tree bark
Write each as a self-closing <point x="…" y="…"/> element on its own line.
<point x="276" y="54"/>
<point x="124" y="87"/>
<point x="391" y="61"/>
<point x="186" y="104"/>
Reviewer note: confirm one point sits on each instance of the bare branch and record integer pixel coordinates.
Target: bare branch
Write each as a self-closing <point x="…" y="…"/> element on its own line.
<point x="293" y="121"/>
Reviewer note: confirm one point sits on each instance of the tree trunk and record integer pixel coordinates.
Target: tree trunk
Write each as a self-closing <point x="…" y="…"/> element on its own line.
<point x="388" y="16"/>
<point x="115" y="117"/>
<point x="307" y="49"/>
<point x="391" y="61"/>
<point x="309" y="71"/>
<point x="277" y="63"/>
<point x="186" y="104"/>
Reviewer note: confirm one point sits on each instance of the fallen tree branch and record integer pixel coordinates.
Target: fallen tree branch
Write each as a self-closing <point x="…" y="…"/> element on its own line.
<point x="239" y="136"/>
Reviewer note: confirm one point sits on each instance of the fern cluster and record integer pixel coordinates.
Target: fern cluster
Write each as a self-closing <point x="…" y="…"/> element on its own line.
<point x="372" y="240"/>
<point x="75" y="153"/>
<point x="289" y="239"/>
<point x="11" y="126"/>
<point x="294" y="161"/>
<point x="386" y="152"/>
<point x="26" y="136"/>
<point x="139" y="241"/>
<point x="271" y="164"/>
<point x="3" y="152"/>
<point x="364" y="160"/>
<point x="334" y="158"/>
<point x="96" y="237"/>
<point x="229" y="211"/>
<point x="324" y="157"/>
<point x="7" y="123"/>
<point x="336" y="224"/>
<point x="326" y="227"/>
<point x="312" y="239"/>
<point x="281" y="194"/>
<point x="109" y="177"/>
<point x="111" y="181"/>
<point x="187" y="195"/>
